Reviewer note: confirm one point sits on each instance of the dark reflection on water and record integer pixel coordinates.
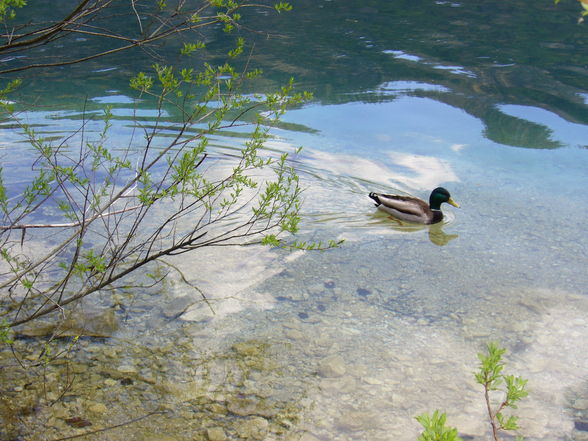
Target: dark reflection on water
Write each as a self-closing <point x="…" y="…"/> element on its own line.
<point x="471" y="56"/>
<point x="482" y="55"/>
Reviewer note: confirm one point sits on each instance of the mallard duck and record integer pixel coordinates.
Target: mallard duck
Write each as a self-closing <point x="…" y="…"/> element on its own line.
<point x="414" y="209"/>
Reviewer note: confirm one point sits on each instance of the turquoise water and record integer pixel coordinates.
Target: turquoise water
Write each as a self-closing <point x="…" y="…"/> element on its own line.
<point x="489" y="101"/>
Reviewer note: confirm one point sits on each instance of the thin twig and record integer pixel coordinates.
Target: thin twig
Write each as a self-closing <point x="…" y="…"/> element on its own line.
<point x="491" y="414"/>
<point x="189" y="284"/>
<point x="69" y="224"/>
<point x="137" y="14"/>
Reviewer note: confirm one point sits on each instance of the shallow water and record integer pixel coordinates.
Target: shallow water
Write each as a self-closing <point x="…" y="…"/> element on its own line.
<point x="354" y="342"/>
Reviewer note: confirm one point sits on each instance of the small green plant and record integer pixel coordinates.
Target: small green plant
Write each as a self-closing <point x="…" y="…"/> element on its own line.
<point x="490" y="376"/>
<point x="5" y="333"/>
<point x="7" y="8"/>
<point x="435" y="429"/>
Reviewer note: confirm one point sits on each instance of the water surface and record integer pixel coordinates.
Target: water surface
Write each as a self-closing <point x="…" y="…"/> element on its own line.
<point x="487" y="100"/>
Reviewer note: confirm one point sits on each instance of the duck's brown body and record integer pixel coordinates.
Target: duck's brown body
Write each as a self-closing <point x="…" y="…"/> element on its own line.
<point x="413" y="209"/>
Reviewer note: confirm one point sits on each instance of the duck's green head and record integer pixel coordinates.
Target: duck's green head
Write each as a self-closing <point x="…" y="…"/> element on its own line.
<point x="438" y="196"/>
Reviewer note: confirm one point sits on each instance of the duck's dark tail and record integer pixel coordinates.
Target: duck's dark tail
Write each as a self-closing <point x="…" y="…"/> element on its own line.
<point x="375" y="197"/>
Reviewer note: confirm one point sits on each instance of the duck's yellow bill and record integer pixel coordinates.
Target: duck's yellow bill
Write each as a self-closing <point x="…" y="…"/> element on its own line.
<point x="452" y="202"/>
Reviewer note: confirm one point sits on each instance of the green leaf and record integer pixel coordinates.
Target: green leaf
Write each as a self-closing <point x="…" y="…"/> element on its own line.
<point x="238" y="49"/>
<point x="283" y="6"/>
<point x="141" y="82"/>
<point x="491" y="366"/>
<point x="515" y="389"/>
<point x="7" y="8"/>
<point x="188" y="48"/>
<point x="435" y="429"/>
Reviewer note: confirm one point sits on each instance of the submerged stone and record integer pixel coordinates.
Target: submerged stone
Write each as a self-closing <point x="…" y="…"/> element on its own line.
<point x="294" y="334"/>
<point x="216" y="434"/>
<point x="333" y="366"/>
<point x="581" y="404"/>
<point x="177" y="306"/>
<point x="254" y="428"/>
<point x="354" y="421"/>
<point x="362" y="292"/>
<point x="127" y="369"/>
<point x="97" y="408"/>
<point x="102" y="323"/>
<point x="242" y="406"/>
<point x="249" y="348"/>
<point x="307" y="437"/>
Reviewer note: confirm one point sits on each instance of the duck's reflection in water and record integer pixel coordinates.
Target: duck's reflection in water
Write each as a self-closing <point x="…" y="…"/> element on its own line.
<point x="436" y="233"/>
